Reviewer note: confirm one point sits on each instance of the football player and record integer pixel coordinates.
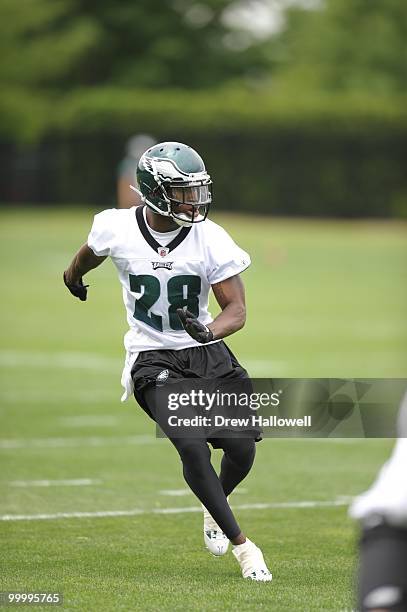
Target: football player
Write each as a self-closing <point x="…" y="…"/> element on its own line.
<point x="382" y="511"/>
<point x="168" y="256"/>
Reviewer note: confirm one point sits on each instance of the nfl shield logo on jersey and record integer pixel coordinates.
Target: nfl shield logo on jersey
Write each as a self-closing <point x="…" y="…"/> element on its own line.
<point x="163" y="251"/>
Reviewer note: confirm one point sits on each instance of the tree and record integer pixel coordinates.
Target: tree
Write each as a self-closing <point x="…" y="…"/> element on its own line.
<point x="40" y="41"/>
<point x="349" y="45"/>
<point x="63" y="44"/>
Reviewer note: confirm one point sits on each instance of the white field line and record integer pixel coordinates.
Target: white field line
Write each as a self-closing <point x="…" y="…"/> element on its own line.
<point x="100" y="363"/>
<point x="89" y="421"/>
<point x="175" y="492"/>
<point x="73" y="482"/>
<point x="329" y="440"/>
<point x="7" y="444"/>
<point x="44" y="396"/>
<point x="188" y="509"/>
<point x="64" y="359"/>
<point x="184" y="492"/>
<point x="93" y="361"/>
<point x="264" y="367"/>
<point x="100" y="441"/>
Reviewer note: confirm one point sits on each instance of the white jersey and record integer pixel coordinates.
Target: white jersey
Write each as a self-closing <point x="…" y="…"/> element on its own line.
<point x="157" y="278"/>
<point x="387" y="497"/>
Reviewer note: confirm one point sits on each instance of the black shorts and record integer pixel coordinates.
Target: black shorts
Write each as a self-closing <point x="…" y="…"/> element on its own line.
<point x="215" y="361"/>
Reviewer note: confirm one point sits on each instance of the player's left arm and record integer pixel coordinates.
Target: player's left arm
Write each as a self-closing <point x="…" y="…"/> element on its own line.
<point x="230" y="296"/>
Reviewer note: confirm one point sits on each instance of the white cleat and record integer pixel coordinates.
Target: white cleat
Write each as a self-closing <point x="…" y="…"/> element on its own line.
<point x="215" y="540"/>
<point x="251" y="561"/>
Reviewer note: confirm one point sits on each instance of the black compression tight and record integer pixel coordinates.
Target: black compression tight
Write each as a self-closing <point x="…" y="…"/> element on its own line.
<point x="201" y="477"/>
<point x="237" y="461"/>
<point x="199" y="473"/>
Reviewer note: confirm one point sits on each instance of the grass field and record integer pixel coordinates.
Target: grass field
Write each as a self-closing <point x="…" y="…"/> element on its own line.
<point x="324" y="299"/>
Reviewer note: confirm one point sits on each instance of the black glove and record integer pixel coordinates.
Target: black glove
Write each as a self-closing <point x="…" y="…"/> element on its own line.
<point x="198" y="331"/>
<point x="79" y="290"/>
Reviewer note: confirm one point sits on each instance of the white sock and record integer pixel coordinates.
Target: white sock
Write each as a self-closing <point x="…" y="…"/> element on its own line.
<point x="245" y="546"/>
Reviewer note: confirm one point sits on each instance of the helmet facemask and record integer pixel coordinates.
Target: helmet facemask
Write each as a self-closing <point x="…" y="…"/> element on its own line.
<point x="189" y="203"/>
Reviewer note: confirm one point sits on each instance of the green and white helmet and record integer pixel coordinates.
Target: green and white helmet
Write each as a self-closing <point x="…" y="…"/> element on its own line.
<point x="172" y="181"/>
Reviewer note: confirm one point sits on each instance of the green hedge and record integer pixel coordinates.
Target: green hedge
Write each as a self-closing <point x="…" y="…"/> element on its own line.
<point x="330" y="156"/>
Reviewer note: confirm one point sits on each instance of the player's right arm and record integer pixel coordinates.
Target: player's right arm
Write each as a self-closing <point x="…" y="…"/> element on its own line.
<point x="83" y="261"/>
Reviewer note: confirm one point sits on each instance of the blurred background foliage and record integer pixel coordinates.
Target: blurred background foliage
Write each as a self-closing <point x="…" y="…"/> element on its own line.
<point x="298" y="106"/>
<point x="347" y="45"/>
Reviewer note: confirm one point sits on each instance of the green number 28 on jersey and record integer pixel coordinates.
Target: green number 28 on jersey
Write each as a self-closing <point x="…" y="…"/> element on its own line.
<point x="182" y="290"/>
